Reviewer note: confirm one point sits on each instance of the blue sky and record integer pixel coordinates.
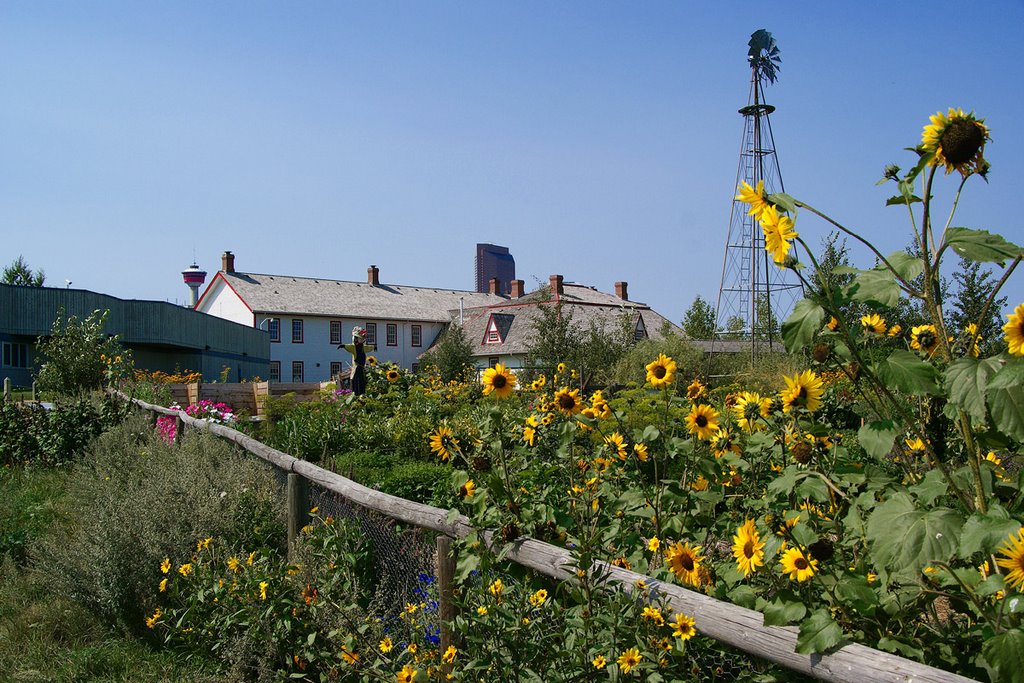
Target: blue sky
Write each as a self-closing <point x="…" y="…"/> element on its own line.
<point x="598" y="140"/>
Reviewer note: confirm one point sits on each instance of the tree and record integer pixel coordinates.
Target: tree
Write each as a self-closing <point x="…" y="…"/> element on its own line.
<point x="974" y="286"/>
<point x="699" y="319"/>
<point x="19" y="273"/>
<point x="556" y="338"/>
<point x="766" y="326"/>
<point x="734" y="327"/>
<point x="452" y="356"/>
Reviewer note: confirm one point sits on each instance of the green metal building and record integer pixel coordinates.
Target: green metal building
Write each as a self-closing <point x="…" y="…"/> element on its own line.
<point x="161" y="335"/>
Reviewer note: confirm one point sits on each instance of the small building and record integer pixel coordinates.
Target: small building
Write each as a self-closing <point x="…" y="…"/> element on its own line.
<point x="503" y="332"/>
<point x="161" y="335"/>
<point x="305" y="319"/>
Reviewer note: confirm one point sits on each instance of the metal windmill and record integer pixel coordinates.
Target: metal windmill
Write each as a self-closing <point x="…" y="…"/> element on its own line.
<point x="755" y="295"/>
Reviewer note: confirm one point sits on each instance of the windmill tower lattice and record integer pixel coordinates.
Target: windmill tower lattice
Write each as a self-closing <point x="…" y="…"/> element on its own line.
<point x="755" y="295"/>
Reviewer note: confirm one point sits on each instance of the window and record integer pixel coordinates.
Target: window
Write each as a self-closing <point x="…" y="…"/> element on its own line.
<point x="274" y="326"/>
<point x="335" y="332"/>
<point x="417" y="335"/>
<point x="371" y="334"/>
<point x="492" y="361"/>
<point x="335" y="369"/>
<point x="640" y="333"/>
<point x="492" y="336"/>
<point x="296" y="331"/>
<point x="297" y="371"/>
<point x="15" y="355"/>
<point x="415" y="367"/>
<point x="392" y="334"/>
<point x="275" y="371"/>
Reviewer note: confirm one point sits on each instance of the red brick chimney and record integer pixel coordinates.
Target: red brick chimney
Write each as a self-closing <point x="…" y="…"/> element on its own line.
<point x="494" y="285"/>
<point x="517" y="289"/>
<point x="227" y="262"/>
<point x="620" y="290"/>
<point x="555" y="283"/>
<point x="373" y="276"/>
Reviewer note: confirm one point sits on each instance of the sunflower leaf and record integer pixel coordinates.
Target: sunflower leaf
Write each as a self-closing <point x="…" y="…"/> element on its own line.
<point x="875" y="286"/>
<point x="900" y="200"/>
<point x="1006" y="399"/>
<point x="906" y="265"/>
<point x="906" y="371"/>
<point x="1004" y="653"/>
<point x="877" y="438"/>
<point x="802" y="324"/>
<point x="966" y="380"/>
<point x="985" y="532"/>
<point x="906" y="538"/>
<point x="818" y="633"/>
<point x="785" y="609"/>
<point x="783" y="201"/>
<point x="981" y="245"/>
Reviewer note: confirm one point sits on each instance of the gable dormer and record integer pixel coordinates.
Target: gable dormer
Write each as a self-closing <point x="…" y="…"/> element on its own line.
<point x="640" y="331"/>
<point x="496" y="331"/>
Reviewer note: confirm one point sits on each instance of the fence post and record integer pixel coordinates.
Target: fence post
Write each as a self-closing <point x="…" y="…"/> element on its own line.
<point x="7" y="388"/>
<point x="445" y="588"/>
<point x="298" y="508"/>
<point x="179" y="428"/>
<point x="35" y="391"/>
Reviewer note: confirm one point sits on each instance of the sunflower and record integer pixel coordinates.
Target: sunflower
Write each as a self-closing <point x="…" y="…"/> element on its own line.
<point x="661" y="371"/>
<point x="702" y="421"/>
<point x="684" y="627"/>
<point x="748" y="548"/>
<point x="628" y="659"/>
<point x="832" y="324"/>
<point x="654" y="614"/>
<point x="684" y="562"/>
<point x="618" y="443"/>
<point x="467" y="489"/>
<point x="748" y="410"/>
<point x="803" y="390"/>
<point x="778" y="234"/>
<point x="915" y="446"/>
<point x="695" y="390"/>
<point x="443" y="442"/>
<point x="723" y="442"/>
<point x="1014" y="331"/>
<point x="973" y="339"/>
<point x="799" y="566"/>
<point x="957" y="141"/>
<point x="599" y="662"/>
<point x="406" y="675"/>
<point x="371" y="361"/>
<point x="568" y="401"/>
<point x="386" y="645"/>
<point x="1013" y="549"/>
<point x="392" y="375"/>
<point x="498" y="380"/>
<point x="873" y="324"/>
<point x="529" y="435"/>
<point x="895" y="330"/>
<point x="753" y="196"/>
<point x="640" y="450"/>
<point x="924" y="338"/>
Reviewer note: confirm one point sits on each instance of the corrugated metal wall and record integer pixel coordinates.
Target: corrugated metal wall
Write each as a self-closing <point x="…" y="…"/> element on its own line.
<point x="162" y="335"/>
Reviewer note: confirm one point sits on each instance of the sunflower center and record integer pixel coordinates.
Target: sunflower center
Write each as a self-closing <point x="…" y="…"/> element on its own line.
<point x="701" y="421"/>
<point x="499" y="381"/>
<point x="748" y="549"/>
<point x="659" y="371"/>
<point x="927" y="339"/>
<point x="566" y="402"/>
<point x="686" y="562"/>
<point x="800" y="563"/>
<point x="961" y="140"/>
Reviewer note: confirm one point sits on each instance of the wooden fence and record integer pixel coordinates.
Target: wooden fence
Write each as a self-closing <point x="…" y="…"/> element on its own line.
<point x="245" y="396"/>
<point x="725" y="622"/>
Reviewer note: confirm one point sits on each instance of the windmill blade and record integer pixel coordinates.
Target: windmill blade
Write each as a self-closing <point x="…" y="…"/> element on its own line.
<point x="764" y="55"/>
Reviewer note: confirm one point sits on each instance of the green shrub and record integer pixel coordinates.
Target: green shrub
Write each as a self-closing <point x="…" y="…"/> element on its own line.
<point x="420" y="481"/>
<point x="80" y="356"/>
<point x="139" y="499"/>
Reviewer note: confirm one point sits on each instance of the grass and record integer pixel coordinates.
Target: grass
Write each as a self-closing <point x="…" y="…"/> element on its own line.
<point x="47" y="637"/>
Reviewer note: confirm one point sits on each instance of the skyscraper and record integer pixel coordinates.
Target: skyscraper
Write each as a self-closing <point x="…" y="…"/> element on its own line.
<point x="494" y="261"/>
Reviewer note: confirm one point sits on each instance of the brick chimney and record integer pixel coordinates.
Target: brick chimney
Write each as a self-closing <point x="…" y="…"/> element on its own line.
<point x="555" y="283"/>
<point x="227" y="262"/>
<point x="373" y="276"/>
<point x="494" y="286"/>
<point x="517" y="289"/>
<point x="620" y="290"/>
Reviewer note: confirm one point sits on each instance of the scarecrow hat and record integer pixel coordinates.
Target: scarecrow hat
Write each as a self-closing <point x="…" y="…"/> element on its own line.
<point x="358" y="333"/>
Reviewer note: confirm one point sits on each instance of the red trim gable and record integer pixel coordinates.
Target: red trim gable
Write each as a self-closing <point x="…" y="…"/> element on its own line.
<point x="220" y="276"/>
<point x="492" y="328"/>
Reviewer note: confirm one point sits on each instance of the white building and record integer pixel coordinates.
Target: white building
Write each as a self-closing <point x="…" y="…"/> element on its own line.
<point x="307" y="318"/>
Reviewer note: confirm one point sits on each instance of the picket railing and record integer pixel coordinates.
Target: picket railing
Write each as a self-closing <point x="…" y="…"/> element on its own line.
<point x="725" y="622"/>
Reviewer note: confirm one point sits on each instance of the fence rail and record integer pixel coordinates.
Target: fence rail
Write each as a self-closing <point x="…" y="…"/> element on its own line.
<point x="725" y="622"/>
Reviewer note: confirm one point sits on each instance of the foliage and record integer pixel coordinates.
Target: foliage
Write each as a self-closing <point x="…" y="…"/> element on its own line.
<point x="629" y="370"/>
<point x="138" y="499"/>
<point x="19" y="273"/>
<point x="451" y="358"/>
<point x="970" y="305"/>
<point x="79" y="356"/>
<point x="699" y="319"/>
